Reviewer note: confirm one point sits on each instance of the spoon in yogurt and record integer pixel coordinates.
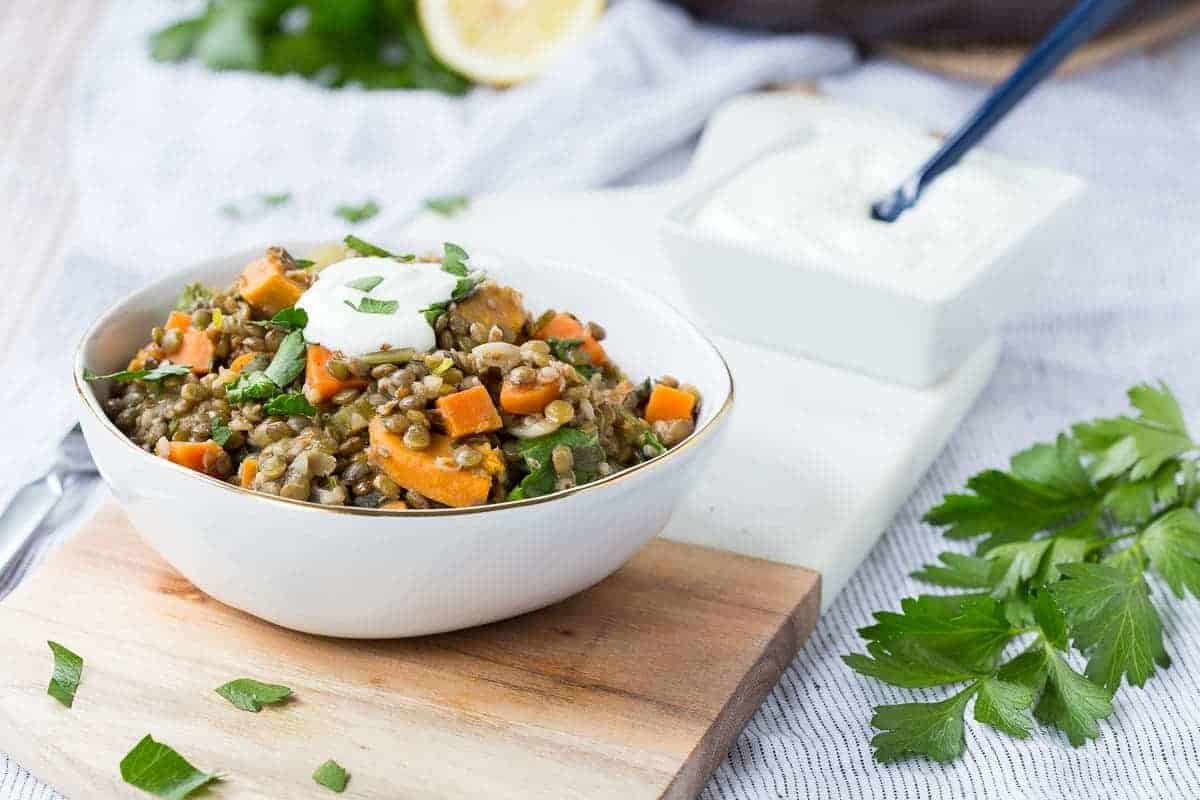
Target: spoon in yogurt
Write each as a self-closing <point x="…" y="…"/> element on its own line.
<point x="1084" y="21"/>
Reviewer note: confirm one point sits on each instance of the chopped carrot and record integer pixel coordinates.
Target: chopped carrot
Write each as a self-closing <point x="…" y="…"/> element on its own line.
<point x="264" y="285"/>
<point x="319" y="384"/>
<point x="247" y="471"/>
<point x="196" y="351"/>
<point x="426" y="471"/>
<point x="240" y="362"/>
<point x="200" y="456"/>
<point x="395" y="504"/>
<point x="469" y="412"/>
<point x="179" y="321"/>
<point x="149" y="351"/>
<point x="564" y="326"/>
<point x="668" y="403"/>
<point x="528" y="398"/>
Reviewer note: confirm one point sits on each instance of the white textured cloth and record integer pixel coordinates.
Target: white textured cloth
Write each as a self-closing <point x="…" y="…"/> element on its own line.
<point x="1119" y="310"/>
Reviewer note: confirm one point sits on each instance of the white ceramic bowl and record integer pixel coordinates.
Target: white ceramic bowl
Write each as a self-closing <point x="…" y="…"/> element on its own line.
<point x="373" y="574"/>
<point x="879" y="327"/>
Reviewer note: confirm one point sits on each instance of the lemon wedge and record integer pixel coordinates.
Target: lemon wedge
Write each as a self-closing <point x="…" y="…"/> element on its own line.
<point x="503" y="42"/>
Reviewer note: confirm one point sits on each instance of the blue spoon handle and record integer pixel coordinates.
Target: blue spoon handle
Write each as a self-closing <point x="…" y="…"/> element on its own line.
<point x="1087" y="19"/>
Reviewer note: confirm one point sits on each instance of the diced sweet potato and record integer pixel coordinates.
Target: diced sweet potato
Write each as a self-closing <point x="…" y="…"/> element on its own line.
<point x="179" y="321"/>
<point x="207" y="457"/>
<point x="425" y="471"/>
<point x="240" y="362"/>
<point x="564" y="326"/>
<point x="319" y="383"/>
<point x="247" y="472"/>
<point x="528" y="398"/>
<point x="264" y="285"/>
<point x="668" y="403"/>
<point x="197" y="352"/>
<point x="501" y="306"/>
<point x="469" y="412"/>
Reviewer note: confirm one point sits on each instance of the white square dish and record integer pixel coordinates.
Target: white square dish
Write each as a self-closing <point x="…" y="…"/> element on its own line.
<point x="909" y="327"/>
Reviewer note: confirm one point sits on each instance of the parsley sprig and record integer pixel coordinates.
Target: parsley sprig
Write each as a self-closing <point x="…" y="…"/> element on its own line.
<point x="1064" y="539"/>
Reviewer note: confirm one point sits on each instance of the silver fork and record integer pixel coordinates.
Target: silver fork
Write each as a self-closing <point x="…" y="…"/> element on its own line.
<point x="34" y="502"/>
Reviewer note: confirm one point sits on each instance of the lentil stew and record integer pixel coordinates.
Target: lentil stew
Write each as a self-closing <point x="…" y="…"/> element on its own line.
<point x="504" y="406"/>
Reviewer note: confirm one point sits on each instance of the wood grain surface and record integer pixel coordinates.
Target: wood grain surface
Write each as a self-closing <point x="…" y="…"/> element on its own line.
<point x="633" y="689"/>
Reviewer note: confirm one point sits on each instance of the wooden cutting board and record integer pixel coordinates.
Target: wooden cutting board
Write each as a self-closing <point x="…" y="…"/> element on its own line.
<point x="633" y="689"/>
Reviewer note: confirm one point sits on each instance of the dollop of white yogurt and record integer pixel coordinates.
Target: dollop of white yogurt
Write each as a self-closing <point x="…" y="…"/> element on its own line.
<point x="335" y="324"/>
<point x="811" y="203"/>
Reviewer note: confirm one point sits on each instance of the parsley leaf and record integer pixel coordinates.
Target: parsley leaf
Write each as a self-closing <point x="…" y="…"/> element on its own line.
<point x="291" y="318"/>
<point x="365" y="248"/>
<point x="1047" y="487"/>
<point x="164" y="370"/>
<point x="303" y="263"/>
<point x="454" y="260"/>
<point x="1140" y="445"/>
<point x="369" y="305"/>
<point x="251" y="695"/>
<point x="969" y="630"/>
<point x="288" y="363"/>
<point x="366" y="283"/>
<point x="1111" y="619"/>
<point x="1070" y="701"/>
<point x="959" y="571"/>
<point x="286" y="405"/>
<point x="434" y="310"/>
<point x="569" y="351"/>
<point x="448" y="205"/>
<point x="537" y="454"/>
<point x="156" y="768"/>
<point x="1173" y="544"/>
<point x="1005" y="706"/>
<point x="193" y="296"/>
<point x="332" y="776"/>
<point x="356" y="214"/>
<point x="250" y="387"/>
<point x="221" y="433"/>
<point x="68" y="667"/>
<point x="931" y="729"/>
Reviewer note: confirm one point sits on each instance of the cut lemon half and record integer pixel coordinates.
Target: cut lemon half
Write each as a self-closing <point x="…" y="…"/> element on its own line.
<point x="502" y="42"/>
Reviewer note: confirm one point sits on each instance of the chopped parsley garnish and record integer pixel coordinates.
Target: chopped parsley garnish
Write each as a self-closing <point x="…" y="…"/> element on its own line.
<point x="367" y="249"/>
<point x="68" y="667"/>
<point x="303" y="263"/>
<point x="164" y="370"/>
<point x="650" y="440"/>
<point x="332" y="776"/>
<point x="356" y="214"/>
<point x="276" y="198"/>
<point x="454" y="260"/>
<point x="221" y="433"/>
<point x="156" y="768"/>
<point x="193" y="296"/>
<point x="291" y="318"/>
<point x="369" y="305"/>
<point x="365" y="283"/>
<point x="432" y="311"/>
<point x="251" y="695"/>
<point x="570" y="352"/>
<point x="251" y="387"/>
<point x="288" y="362"/>
<point x="537" y="454"/>
<point x="1063" y="541"/>
<point x="449" y="205"/>
<point x="286" y="405"/>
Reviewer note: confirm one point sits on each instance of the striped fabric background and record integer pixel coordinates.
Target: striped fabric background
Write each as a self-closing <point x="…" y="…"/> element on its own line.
<point x="1120" y="307"/>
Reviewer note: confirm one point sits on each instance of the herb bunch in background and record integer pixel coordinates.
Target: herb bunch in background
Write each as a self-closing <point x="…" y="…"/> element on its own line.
<point x="1065" y="540"/>
<point x="377" y="44"/>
